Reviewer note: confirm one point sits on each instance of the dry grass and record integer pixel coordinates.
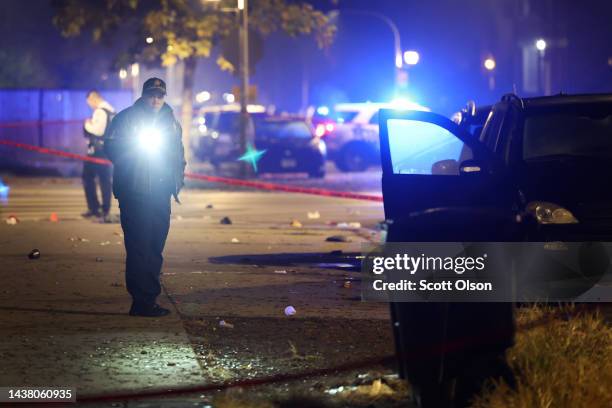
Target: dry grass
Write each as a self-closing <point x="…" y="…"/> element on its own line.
<point x="565" y="363"/>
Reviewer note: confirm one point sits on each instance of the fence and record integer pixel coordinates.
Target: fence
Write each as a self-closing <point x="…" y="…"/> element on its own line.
<point x="51" y="118"/>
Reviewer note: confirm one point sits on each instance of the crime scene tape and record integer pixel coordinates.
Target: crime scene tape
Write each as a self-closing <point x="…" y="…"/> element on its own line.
<point x="260" y="185"/>
<point x="31" y="123"/>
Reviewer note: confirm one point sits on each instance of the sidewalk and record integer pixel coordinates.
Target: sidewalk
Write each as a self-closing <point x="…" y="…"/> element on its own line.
<point x="64" y="316"/>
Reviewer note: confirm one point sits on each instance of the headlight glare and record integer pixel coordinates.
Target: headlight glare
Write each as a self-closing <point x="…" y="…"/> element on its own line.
<point x="550" y="213"/>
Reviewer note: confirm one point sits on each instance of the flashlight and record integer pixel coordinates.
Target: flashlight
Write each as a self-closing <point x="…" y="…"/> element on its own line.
<point x="150" y="139"/>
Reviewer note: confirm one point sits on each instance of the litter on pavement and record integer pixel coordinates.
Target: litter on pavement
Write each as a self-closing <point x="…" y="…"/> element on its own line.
<point x="235" y="241"/>
<point x="53" y="217"/>
<point x="296" y="224"/>
<point x="34" y="254"/>
<point x="225" y="324"/>
<point x="209" y="206"/>
<point x="314" y="215"/>
<point x="290" y="311"/>
<point x="12" y="220"/>
<point x="225" y="221"/>
<point x="338" y="238"/>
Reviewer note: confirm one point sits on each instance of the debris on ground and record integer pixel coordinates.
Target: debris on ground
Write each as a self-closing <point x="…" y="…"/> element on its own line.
<point x="225" y="324"/>
<point x="104" y="243"/>
<point x="78" y="239"/>
<point x="377" y="388"/>
<point x="338" y="238"/>
<point x="116" y="285"/>
<point x="235" y="241"/>
<point x="99" y="259"/>
<point x="347" y="284"/>
<point x="296" y="224"/>
<point x="34" y="254"/>
<point x="119" y="234"/>
<point x="225" y="221"/>
<point x="350" y="225"/>
<point x="209" y="206"/>
<point x="282" y="272"/>
<point x="53" y="217"/>
<point x="12" y="220"/>
<point x="290" y="311"/>
<point x="196" y="272"/>
<point x="314" y="215"/>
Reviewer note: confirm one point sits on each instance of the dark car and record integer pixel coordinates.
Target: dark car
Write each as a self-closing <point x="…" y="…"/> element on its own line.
<point x="289" y="142"/>
<point x="472" y="117"/>
<point x="538" y="172"/>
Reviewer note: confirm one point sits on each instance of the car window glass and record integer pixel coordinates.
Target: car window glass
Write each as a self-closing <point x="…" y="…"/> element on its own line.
<point x="345" y="116"/>
<point x="568" y="135"/>
<point x="490" y="131"/>
<point x="424" y="148"/>
<point x="374" y="119"/>
<point x="282" y="130"/>
<point x="229" y="122"/>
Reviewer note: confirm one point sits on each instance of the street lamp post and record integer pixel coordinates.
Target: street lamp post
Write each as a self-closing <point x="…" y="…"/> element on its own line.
<point x="397" y="46"/>
<point x="244" y="81"/>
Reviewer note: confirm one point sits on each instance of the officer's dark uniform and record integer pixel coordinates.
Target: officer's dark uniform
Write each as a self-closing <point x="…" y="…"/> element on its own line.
<point x="144" y="181"/>
<point x="95" y="148"/>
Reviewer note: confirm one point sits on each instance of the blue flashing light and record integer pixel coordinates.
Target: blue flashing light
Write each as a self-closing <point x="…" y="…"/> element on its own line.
<point x="323" y="110"/>
<point x="4" y="192"/>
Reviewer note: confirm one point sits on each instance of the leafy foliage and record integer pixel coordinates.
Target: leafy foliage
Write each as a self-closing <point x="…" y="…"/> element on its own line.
<point x="183" y="29"/>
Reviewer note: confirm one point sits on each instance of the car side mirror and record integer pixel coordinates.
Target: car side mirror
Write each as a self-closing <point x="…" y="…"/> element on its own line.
<point x="447" y="167"/>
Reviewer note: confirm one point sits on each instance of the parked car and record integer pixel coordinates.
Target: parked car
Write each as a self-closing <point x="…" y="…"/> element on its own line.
<point x="539" y="171"/>
<point x="350" y="131"/>
<point x="289" y="142"/>
<point x="211" y="123"/>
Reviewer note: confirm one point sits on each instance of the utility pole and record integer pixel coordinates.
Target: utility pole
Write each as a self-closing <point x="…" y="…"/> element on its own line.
<point x="243" y="10"/>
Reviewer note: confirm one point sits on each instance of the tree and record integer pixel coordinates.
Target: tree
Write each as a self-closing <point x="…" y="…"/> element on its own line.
<point x="185" y="30"/>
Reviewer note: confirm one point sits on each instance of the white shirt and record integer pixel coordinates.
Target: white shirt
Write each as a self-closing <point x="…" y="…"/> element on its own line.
<point x="96" y="125"/>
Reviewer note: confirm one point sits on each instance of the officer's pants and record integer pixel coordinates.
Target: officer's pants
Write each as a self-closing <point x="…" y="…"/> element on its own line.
<point x="145" y="220"/>
<point x="104" y="173"/>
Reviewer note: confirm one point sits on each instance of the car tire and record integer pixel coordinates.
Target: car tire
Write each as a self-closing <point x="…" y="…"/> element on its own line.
<point x="354" y="157"/>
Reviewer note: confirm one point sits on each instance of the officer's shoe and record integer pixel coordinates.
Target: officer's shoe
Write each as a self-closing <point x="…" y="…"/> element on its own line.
<point x="153" y="311"/>
<point x="90" y="214"/>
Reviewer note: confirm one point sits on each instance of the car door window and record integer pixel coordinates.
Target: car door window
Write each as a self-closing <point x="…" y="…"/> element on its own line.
<point x="424" y="148"/>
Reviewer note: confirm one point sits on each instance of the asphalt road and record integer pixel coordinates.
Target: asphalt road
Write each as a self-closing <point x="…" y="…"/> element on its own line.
<point x="64" y="315"/>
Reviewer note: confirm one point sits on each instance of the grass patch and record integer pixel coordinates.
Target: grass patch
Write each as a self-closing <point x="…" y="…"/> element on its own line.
<point x="564" y="363"/>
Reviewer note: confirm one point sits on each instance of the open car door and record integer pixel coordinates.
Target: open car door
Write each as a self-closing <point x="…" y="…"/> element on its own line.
<point x="438" y="179"/>
<point x="441" y="185"/>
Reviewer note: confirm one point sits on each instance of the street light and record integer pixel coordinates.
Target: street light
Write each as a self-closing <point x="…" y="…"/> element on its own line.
<point x="411" y="57"/>
<point x="540" y="44"/>
<point x="489" y="64"/>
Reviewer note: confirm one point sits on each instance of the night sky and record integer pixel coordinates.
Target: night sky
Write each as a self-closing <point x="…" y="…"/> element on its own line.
<point x="452" y="37"/>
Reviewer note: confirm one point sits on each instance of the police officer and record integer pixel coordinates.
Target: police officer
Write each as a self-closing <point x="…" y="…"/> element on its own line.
<point x="93" y="130"/>
<point x="144" y="143"/>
